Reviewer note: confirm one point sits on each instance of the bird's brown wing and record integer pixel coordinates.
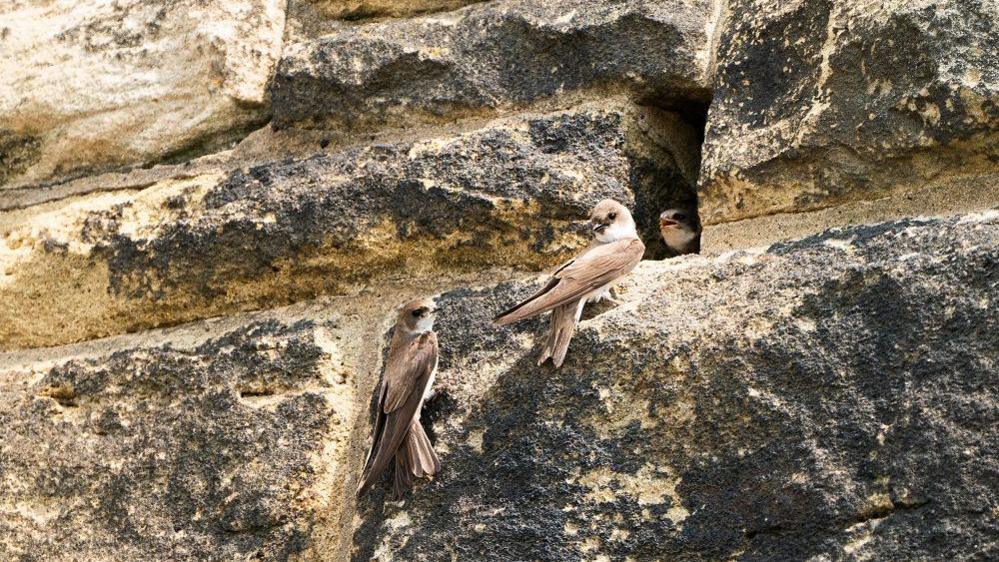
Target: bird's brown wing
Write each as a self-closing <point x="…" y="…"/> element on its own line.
<point x="416" y="356"/>
<point x="378" y="427"/>
<point x="551" y="283"/>
<point x="592" y="270"/>
<point x="563" y="324"/>
<point x="395" y="377"/>
<point x="414" y="375"/>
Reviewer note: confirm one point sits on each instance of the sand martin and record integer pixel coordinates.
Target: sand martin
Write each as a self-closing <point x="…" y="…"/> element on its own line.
<point x="681" y="230"/>
<point x="615" y="251"/>
<point x="406" y="384"/>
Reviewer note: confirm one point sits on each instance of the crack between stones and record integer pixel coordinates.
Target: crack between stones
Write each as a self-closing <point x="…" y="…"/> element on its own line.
<point x="359" y="17"/>
<point x="875" y="514"/>
<point x="887" y="511"/>
<point x="167" y="167"/>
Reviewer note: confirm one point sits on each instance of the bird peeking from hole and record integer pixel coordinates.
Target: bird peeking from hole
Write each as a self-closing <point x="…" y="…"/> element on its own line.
<point x="681" y="231"/>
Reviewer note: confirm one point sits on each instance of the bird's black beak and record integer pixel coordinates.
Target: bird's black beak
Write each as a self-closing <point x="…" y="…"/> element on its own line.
<point x="599" y="227"/>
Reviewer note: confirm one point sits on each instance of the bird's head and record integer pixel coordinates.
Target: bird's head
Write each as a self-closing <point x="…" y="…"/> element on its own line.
<point x="679" y="228"/>
<point x="612" y="221"/>
<point x="418" y="316"/>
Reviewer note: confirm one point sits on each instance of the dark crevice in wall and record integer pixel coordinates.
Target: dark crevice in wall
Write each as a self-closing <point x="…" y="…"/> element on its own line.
<point x="255" y="392"/>
<point x="63" y="394"/>
<point x="694" y="112"/>
<point x="661" y="180"/>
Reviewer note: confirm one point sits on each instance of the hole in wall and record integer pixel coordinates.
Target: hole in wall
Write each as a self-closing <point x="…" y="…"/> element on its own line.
<point x="664" y="173"/>
<point x="255" y="392"/>
<point x="63" y="394"/>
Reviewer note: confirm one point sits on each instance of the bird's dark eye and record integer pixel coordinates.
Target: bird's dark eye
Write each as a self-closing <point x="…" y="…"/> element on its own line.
<point x="418" y="312"/>
<point x="612" y="216"/>
<point x="680" y="217"/>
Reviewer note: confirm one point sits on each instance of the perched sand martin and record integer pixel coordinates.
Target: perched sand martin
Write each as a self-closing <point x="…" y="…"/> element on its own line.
<point x="681" y="230"/>
<point x="615" y="251"/>
<point x="406" y="384"/>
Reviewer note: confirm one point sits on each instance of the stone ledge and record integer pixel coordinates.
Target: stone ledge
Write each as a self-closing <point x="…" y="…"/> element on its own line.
<point x="492" y="57"/>
<point x="203" y="442"/>
<point x="818" y="104"/>
<point x="90" y="87"/>
<point x="511" y="193"/>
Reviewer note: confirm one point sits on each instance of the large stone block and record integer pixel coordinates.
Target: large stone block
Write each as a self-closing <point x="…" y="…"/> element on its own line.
<point x="511" y="193"/>
<point x="228" y="440"/>
<point x="820" y="103"/>
<point x="89" y="86"/>
<point x="833" y="397"/>
<point x="493" y="57"/>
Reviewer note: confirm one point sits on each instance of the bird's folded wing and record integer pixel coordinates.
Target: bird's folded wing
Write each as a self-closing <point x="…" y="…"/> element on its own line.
<point x="378" y="427"/>
<point x="406" y="367"/>
<point x="412" y="375"/>
<point x="551" y="283"/>
<point x="563" y="324"/>
<point x="592" y="270"/>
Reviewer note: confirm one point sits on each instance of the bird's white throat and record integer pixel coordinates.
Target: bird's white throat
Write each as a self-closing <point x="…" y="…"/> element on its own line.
<point x="620" y="230"/>
<point x="424" y="325"/>
<point x="678" y="237"/>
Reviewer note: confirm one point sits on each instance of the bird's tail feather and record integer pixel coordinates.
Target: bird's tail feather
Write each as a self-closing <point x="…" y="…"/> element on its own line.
<point x="415" y="459"/>
<point x="563" y="325"/>
<point x="403" y="477"/>
<point x="423" y="460"/>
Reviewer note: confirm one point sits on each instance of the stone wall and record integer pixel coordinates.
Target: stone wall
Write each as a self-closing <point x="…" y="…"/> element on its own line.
<point x="209" y="211"/>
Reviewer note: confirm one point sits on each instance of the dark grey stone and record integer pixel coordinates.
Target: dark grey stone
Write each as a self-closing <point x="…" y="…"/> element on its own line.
<point x="833" y="397"/>
<point x="171" y="452"/>
<point x="492" y="56"/>
<point x="816" y="103"/>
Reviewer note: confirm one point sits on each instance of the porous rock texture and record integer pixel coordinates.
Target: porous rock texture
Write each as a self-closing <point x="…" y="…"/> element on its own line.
<point x="490" y="57"/>
<point x="205" y="443"/>
<point x="319" y="17"/>
<point x="820" y="102"/>
<point x="209" y="216"/>
<point x="828" y="398"/>
<point x="513" y="193"/>
<point x="93" y="85"/>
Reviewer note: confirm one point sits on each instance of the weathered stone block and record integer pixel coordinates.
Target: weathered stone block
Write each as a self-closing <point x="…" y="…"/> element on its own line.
<point x="512" y="193"/>
<point x="492" y="57"/>
<point x="219" y="441"/>
<point x="96" y="85"/>
<point x="819" y="103"/>
<point x="830" y="397"/>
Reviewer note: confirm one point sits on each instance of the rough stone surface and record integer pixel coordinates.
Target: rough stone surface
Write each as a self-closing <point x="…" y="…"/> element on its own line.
<point x="816" y="103"/>
<point x="206" y="443"/>
<point x="513" y="193"/>
<point x="806" y="396"/>
<point x="829" y="398"/>
<point x="95" y="85"/>
<point x="491" y="57"/>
